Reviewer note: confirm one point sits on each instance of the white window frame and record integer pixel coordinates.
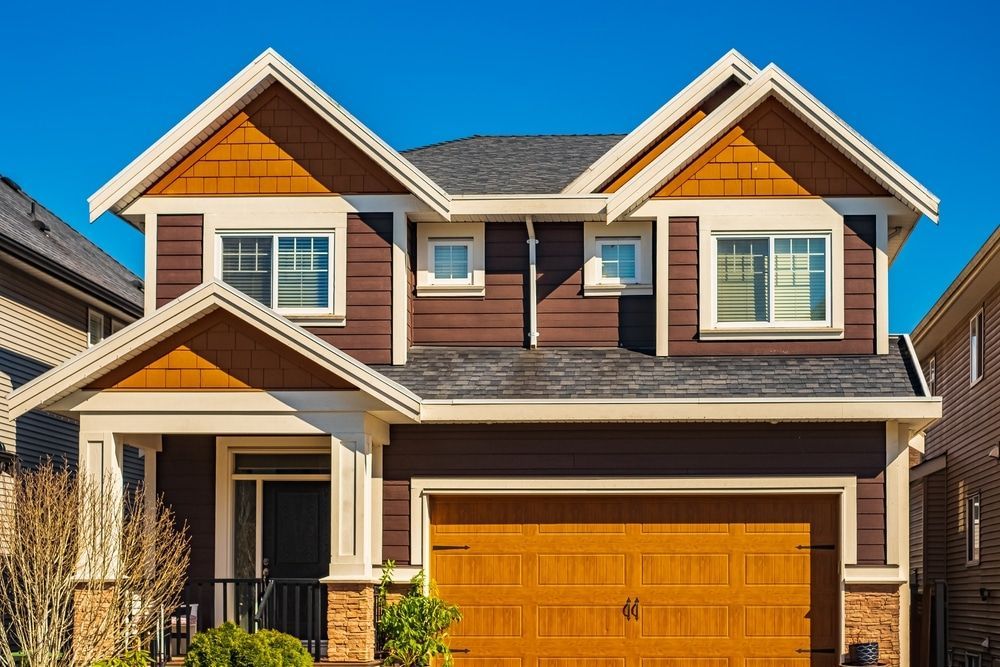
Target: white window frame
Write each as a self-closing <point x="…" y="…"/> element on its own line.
<point x="437" y="241"/>
<point x="92" y="316"/>
<point x="973" y="528"/>
<point x="772" y="323"/>
<point x="620" y="241"/>
<point x="473" y="233"/>
<point x="596" y="234"/>
<point x="275" y="235"/>
<point x="932" y="375"/>
<point x="977" y="352"/>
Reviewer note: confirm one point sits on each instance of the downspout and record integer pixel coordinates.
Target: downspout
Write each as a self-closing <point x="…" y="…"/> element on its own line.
<point x="532" y="284"/>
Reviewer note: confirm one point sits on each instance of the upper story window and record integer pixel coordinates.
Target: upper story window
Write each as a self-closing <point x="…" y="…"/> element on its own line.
<point x="976" y="347"/>
<point x="772" y="280"/>
<point x="619" y="260"/>
<point x="96" y="327"/>
<point x="451" y="261"/>
<point x="973" y="528"/>
<point x="291" y="273"/>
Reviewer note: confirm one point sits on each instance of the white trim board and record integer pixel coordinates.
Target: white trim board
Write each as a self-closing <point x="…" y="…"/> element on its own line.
<point x="266" y="69"/>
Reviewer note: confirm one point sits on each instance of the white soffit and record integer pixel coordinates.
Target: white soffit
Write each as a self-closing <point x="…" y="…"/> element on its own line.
<point x="268" y="68"/>
<point x="733" y="64"/>
<point x="772" y="82"/>
<point x="135" y="339"/>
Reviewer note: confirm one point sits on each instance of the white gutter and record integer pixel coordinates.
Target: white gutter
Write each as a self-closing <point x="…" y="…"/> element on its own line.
<point x="532" y="284"/>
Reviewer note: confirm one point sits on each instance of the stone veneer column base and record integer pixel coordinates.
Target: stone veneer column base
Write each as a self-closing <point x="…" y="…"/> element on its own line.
<point x="350" y="621"/>
<point x="90" y="607"/>
<point x="871" y="613"/>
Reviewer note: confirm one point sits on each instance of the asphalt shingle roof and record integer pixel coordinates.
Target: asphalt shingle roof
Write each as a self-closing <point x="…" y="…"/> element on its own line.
<point x="47" y="237"/>
<point x="586" y="373"/>
<point x="535" y="164"/>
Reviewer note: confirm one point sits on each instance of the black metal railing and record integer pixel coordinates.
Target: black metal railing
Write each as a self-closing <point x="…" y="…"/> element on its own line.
<point x="294" y="606"/>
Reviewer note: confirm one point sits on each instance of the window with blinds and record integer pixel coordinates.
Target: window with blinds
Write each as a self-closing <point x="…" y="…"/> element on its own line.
<point x="763" y="280"/>
<point x="619" y="260"/>
<point x="291" y="273"/>
<point x="451" y="261"/>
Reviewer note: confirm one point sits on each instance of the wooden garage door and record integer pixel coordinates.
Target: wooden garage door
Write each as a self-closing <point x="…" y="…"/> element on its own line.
<point x="709" y="581"/>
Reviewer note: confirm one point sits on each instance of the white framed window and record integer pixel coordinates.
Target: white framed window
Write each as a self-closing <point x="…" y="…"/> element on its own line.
<point x="621" y="261"/>
<point x="96" y="323"/>
<point x="289" y="272"/>
<point x="973" y="528"/>
<point x="773" y="280"/>
<point x="932" y="375"/>
<point x="977" y="347"/>
<point x="450" y="261"/>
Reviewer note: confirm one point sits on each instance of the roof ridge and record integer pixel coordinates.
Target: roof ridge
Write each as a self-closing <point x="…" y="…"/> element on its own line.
<point x="456" y="140"/>
<point x="39" y="206"/>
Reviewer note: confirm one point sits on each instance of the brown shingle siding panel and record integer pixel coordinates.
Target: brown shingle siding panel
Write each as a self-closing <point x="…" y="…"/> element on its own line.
<point x="642" y="450"/>
<point x="396" y="520"/>
<point x="179" y="248"/>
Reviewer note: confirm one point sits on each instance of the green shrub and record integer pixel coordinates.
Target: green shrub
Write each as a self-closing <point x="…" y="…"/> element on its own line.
<point x="414" y="629"/>
<point x="231" y="646"/>
<point x="130" y="659"/>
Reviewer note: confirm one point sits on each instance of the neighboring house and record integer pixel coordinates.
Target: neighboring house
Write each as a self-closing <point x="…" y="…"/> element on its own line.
<point x="59" y="294"/>
<point x="624" y="397"/>
<point x="955" y="490"/>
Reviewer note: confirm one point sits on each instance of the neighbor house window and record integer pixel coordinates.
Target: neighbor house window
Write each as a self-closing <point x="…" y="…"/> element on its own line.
<point x="932" y="376"/>
<point x="116" y="326"/>
<point x="451" y="261"/>
<point x="772" y="281"/>
<point x="973" y="529"/>
<point x="976" y="348"/>
<point x="619" y="261"/>
<point x="95" y="327"/>
<point x="291" y="273"/>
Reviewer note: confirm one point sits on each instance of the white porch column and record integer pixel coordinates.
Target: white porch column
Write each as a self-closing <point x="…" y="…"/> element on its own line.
<point x="101" y="465"/>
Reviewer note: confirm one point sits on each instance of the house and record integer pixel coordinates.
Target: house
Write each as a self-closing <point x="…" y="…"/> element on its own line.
<point x="59" y="294"/>
<point x="955" y="484"/>
<point x="624" y="397"/>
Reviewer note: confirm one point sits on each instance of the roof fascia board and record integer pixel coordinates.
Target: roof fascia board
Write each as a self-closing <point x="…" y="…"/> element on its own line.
<point x="977" y="279"/>
<point x="730" y="65"/>
<point x="772" y="81"/>
<point x="267" y="68"/>
<point x="487" y="204"/>
<point x="144" y="334"/>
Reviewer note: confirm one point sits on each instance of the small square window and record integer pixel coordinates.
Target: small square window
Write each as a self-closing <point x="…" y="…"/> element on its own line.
<point x="619" y="261"/>
<point x="451" y="261"/>
<point x="973" y="528"/>
<point x="976" y="347"/>
<point x="95" y="327"/>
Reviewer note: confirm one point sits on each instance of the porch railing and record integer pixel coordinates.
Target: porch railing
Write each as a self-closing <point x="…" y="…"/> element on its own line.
<point x="293" y="606"/>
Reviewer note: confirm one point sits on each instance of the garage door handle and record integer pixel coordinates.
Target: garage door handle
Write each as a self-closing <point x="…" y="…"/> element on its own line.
<point x="635" y="609"/>
<point x="627" y="609"/>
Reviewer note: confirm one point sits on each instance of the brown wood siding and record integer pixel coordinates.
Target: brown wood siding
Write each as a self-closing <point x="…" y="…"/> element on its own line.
<point x="771" y="153"/>
<point x="276" y="146"/>
<point x="220" y="352"/>
<point x="566" y="317"/>
<point x="640" y="450"/>
<point x="368" y="334"/>
<point x="498" y="319"/>
<point x="859" y="297"/>
<point x="185" y="476"/>
<point x="179" y="248"/>
<point x="970" y="427"/>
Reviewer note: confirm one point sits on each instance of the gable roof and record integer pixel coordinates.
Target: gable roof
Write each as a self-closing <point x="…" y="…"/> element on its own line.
<point x="113" y="352"/>
<point x="772" y="82"/>
<point x="35" y="235"/>
<point x="732" y="65"/>
<point x="526" y="164"/>
<point x="267" y="69"/>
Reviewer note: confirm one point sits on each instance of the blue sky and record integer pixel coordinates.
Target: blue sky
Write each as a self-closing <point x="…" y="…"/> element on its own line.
<point x="88" y="86"/>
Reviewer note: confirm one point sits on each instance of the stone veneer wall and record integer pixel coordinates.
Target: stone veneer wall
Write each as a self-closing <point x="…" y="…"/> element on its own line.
<point x="350" y="615"/>
<point x="90" y="607"/>
<point x="871" y="613"/>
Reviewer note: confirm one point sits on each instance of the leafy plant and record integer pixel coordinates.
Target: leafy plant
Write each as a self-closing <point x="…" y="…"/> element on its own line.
<point x="414" y="628"/>
<point x="131" y="659"/>
<point x="232" y="646"/>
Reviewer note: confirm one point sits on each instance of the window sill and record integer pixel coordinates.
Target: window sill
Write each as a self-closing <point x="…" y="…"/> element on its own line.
<point x="771" y="333"/>
<point x="318" y="320"/>
<point x="612" y="289"/>
<point x="451" y="290"/>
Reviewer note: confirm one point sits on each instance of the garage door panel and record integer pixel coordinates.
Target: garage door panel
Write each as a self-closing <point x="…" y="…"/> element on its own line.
<point x="489" y="621"/>
<point x="464" y="661"/>
<point x="591" y="621"/>
<point x="459" y="569"/>
<point x="685" y="662"/>
<point x="685" y="621"/>
<point x="581" y="570"/>
<point x="581" y="662"/>
<point x="685" y="569"/>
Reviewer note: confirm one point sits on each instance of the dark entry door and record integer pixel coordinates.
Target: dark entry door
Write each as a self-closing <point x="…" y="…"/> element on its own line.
<point x="296" y="552"/>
